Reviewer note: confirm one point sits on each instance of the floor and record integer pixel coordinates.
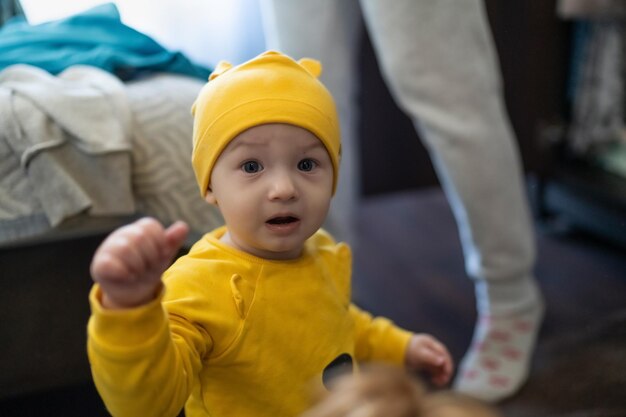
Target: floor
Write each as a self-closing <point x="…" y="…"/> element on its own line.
<point x="409" y="267"/>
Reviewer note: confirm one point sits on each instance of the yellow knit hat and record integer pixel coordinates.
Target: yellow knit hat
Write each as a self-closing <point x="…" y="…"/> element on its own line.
<point x="271" y="88"/>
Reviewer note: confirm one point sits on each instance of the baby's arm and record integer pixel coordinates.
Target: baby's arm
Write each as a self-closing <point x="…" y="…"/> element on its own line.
<point x="379" y="340"/>
<point x="129" y="263"/>
<point x="132" y="353"/>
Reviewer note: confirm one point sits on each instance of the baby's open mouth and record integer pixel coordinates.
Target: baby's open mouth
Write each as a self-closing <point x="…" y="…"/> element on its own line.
<point x="282" y="220"/>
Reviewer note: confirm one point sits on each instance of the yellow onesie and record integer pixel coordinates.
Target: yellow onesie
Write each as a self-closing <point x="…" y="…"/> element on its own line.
<point x="236" y="335"/>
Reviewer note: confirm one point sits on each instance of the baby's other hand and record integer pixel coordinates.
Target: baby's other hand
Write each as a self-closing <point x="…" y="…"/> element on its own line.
<point x="129" y="263"/>
<point x="425" y="353"/>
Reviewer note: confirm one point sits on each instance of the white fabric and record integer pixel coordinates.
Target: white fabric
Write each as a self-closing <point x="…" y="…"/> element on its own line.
<point x="96" y="178"/>
<point x="439" y="60"/>
<point x="55" y="129"/>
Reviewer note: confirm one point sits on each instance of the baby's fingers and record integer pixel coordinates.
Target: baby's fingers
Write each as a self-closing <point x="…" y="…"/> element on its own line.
<point x="136" y="251"/>
<point x="106" y="267"/>
<point x="427" y="354"/>
<point x="175" y="236"/>
<point x="129" y="252"/>
<point x="438" y="364"/>
<point x="116" y="259"/>
<point x="431" y="357"/>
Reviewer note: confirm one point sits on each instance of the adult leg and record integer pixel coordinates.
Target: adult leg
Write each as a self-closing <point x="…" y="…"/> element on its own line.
<point x="326" y="30"/>
<point x="439" y="60"/>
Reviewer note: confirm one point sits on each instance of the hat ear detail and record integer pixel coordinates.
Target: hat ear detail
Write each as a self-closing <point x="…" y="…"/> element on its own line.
<point x="313" y="66"/>
<point x="221" y="68"/>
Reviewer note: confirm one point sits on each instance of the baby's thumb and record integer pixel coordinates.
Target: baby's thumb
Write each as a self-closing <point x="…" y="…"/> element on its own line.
<point x="175" y="236"/>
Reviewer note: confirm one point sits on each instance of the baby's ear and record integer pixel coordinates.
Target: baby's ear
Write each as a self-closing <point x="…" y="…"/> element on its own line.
<point x="209" y="197"/>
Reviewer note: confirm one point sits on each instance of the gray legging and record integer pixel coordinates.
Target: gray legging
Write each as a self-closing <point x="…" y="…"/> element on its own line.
<point x="439" y="60"/>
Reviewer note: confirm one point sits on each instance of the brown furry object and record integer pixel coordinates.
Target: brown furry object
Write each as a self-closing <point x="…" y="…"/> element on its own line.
<point x="386" y="391"/>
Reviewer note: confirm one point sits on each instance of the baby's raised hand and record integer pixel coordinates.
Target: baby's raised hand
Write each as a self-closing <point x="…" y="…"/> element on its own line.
<point x="129" y="263"/>
<point x="425" y="353"/>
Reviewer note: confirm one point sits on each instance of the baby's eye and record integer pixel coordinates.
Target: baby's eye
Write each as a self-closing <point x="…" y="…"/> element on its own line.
<point x="250" y="167"/>
<point x="307" y="165"/>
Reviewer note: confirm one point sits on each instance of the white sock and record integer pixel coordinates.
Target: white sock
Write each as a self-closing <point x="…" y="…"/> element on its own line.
<point x="496" y="364"/>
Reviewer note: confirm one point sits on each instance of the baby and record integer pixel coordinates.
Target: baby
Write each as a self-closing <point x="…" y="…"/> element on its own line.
<point x="260" y="307"/>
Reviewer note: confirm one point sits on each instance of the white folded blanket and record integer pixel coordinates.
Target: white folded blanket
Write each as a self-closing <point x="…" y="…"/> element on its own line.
<point x="65" y="147"/>
<point x="87" y="141"/>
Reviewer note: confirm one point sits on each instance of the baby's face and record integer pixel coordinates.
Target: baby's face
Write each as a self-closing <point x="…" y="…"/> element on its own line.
<point x="273" y="185"/>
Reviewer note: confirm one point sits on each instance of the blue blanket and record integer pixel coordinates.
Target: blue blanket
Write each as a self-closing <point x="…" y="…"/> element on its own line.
<point x="96" y="37"/>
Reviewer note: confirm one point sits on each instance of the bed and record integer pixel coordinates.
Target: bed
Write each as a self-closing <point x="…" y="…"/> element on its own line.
<point x="95" y="132"/>
<point x="45" y="253"/>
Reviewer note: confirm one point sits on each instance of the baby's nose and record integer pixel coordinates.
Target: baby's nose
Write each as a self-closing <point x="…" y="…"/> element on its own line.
<point x="283" y="187"/>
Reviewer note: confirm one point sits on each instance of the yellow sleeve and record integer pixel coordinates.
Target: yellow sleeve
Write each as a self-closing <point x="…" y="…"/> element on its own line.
<point x="143" y="362"/>
<point x="378" y="339"/>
